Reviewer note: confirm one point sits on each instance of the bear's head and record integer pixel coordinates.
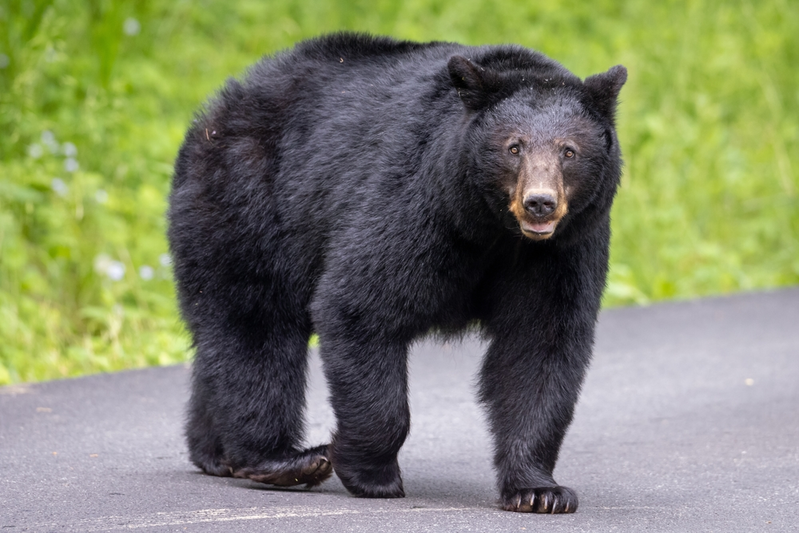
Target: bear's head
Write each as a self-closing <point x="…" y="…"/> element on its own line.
<point x="542" y="144"/>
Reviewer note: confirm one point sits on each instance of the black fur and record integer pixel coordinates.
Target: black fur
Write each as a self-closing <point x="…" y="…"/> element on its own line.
<point x="368" y="190"/>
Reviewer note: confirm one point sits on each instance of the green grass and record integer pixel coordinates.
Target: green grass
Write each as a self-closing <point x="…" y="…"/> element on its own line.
<point x="95" y="97"/>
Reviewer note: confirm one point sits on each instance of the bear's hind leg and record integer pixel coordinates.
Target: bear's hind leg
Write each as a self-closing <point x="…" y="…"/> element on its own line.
<point x="248" y="397"/>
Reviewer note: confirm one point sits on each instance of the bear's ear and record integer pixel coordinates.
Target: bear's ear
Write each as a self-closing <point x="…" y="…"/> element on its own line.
<point x="469" y="80"/>
<point x="603" y="89"/>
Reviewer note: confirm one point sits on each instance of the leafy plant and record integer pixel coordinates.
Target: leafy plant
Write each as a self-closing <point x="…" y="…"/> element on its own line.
<point x="95" y="97"/>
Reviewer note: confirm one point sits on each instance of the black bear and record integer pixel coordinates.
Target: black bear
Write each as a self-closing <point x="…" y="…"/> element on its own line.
<point x="373" y="191"/>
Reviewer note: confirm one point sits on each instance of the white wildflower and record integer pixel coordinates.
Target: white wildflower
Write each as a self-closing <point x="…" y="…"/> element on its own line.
<point x="69" y="149"/>
<point x="35" y="150"/>
<point x="105" y="266"/>
<point x="116" y="270"/>
<point x="101" y="263"/>
<point x="59" y="187"/>
<point x="131" y="26"/>
<point x="48" y="139"/>
<point x="146" y="272"/>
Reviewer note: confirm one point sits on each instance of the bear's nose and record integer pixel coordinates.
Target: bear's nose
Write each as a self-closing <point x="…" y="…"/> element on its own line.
<point x="540" y="204"/>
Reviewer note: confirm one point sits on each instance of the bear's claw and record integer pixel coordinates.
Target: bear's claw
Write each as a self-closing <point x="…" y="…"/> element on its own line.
<point x="551" y="500"/>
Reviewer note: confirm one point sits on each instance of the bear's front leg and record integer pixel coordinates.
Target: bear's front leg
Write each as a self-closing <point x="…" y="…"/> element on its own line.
<point x="541" y="327"/>
<point x="530" y="390"/>
<point x="368" y="392"/>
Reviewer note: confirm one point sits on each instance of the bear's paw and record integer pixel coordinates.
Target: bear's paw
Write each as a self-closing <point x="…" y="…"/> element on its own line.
<point x="371" y="481"/>
<point x="310" y="468"/>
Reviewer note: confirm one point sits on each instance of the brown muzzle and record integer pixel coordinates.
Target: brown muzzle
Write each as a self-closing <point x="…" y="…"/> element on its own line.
<point x="539" y="200"/>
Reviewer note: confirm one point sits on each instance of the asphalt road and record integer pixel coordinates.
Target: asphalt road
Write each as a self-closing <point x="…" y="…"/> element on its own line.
<point x="689" y="421"/>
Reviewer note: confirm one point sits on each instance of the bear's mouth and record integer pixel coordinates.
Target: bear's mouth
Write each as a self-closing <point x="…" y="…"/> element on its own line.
<point x="538" y="230"/>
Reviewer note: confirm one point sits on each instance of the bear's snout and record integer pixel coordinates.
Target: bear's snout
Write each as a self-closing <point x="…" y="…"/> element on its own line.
<point x="538" y="211"/>
<point x="541" y="204"/>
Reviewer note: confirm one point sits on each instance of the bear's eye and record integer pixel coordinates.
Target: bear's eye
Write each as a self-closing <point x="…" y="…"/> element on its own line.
<point x="569" y="153"/>
<point x="514" y="149"/>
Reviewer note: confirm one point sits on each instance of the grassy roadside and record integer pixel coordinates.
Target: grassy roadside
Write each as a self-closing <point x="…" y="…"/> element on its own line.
<point x="95" y="96"/>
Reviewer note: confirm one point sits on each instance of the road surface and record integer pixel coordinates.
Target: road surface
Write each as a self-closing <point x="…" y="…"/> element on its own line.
<point x="688" y="421"/>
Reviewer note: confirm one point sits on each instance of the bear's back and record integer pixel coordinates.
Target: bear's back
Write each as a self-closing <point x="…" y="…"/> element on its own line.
<point x="315" y="62"/>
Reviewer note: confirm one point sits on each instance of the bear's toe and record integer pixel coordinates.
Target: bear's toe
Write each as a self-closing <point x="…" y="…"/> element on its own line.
<point x="552" y="500"/>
